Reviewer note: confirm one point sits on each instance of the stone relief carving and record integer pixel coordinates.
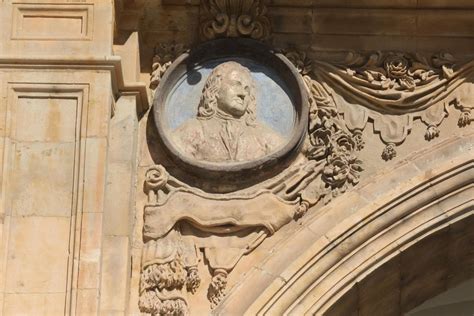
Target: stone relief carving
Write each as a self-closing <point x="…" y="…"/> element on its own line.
<point x="226" y="128"/>
<point x="180" y="221"/>
<point x="234" y="18"/>
<point x="393" y="89"/>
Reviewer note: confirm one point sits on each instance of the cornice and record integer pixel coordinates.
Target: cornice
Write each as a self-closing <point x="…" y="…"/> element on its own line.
<point x="113" y="64"/>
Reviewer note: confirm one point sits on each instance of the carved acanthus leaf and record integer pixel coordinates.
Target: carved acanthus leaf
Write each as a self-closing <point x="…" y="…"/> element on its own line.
<point x="234" y="18"/>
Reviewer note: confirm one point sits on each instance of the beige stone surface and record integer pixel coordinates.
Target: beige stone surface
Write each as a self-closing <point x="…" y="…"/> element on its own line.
<point x="43" y="182"/>
<point x="38" y="255"/>
<point x="77" y="144"/>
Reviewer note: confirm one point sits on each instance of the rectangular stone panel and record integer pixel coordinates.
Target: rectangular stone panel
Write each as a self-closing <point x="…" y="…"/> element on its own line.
<point x="42" y="197"/>
<point x="43" y="179"/>
<point x="49" y="119"/>
<point x="38" y="254"/>
<point x="46" y="22"/>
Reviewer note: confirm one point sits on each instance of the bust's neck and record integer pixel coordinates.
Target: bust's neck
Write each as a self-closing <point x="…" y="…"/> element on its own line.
<point x="226" y="116"/>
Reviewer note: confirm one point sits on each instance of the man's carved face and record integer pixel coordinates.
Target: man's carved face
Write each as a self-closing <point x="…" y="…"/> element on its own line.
<point x="233" y="96"/>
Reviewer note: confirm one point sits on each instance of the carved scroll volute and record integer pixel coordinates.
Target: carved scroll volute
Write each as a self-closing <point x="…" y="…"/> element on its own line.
<point x="234" y="18"/>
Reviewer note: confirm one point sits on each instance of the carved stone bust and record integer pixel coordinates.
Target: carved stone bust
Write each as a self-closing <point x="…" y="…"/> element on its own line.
<point x="226" y="128"/>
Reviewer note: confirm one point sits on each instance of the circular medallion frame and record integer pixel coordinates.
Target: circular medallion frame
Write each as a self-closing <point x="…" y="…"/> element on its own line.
<point x="230" y="49"/>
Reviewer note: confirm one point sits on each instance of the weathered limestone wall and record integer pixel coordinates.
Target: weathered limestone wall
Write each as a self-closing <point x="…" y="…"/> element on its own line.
<point x="76" y="141"/>
<point x="68" y="108"/>
<point x="323" y="28"/>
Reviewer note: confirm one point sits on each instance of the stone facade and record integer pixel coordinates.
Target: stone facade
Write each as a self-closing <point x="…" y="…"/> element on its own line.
<point x="355" y="198"/>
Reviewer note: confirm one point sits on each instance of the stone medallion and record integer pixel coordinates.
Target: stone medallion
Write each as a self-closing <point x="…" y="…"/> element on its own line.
<point x="231" y="107"/>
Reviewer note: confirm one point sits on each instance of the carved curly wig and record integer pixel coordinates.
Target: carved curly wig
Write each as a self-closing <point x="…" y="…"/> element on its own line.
<point x="208" y="103"/>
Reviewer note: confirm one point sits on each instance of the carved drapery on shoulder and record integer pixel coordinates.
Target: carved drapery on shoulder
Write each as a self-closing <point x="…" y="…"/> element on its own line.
<point x="393" y="89"/>
<point x="234" y="18"/>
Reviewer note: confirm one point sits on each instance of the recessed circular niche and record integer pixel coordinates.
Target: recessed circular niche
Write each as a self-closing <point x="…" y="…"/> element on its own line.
<point x="231" y="107"/>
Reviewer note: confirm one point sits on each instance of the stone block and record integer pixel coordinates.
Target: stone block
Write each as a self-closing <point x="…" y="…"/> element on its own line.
<point x="88" y="275"/>
<point x="42" y="179"/>
<point x="98" y="104"/>
<point x="424" y="276"/>
<point x="87" y="302"/>
<point x="173" y="18"/>
<point x="362" y="42"/>
<point x="290" y="20"/>
<point x="118" y="199"/>
<point x="91" y="237"/>
<point x="115" y="273"/>
<point x="452" y="23"/>
<point x="347" y="305"/>
<point x="46" y="119"/>
<point x="364" y="22"/>
<point x="38" y="255"/>
<point x="366" y="3"/>
<point x="379" y="293"/>
<point x="50" y="304"/>
<point x="129" y="53"/>
<point x="94" y="174"/>
<point x="289" y="3"/>
<point x="446" y="4"/>
<point x="123" y="131"/>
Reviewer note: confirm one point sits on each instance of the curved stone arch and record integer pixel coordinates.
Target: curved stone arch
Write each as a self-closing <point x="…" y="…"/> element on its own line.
<point x="399" y="207"/>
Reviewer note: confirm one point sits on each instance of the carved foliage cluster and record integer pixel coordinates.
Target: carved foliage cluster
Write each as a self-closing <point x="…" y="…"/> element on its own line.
<point x="393" y="89"/>
<point x="400" y="71"/>
<point x="156" y="279"/>
<point x="329" y="142"/>
<point x="234" y="18"/>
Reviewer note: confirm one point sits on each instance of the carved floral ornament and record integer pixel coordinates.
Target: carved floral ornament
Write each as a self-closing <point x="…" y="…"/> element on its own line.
<point x="391" y="89"/>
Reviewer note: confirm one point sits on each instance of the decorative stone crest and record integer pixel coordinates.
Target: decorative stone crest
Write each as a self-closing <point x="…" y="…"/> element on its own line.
<point x="234" y="18"/>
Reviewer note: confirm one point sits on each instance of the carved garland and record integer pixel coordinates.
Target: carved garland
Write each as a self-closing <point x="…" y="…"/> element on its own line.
<point x="393" y="89"/>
